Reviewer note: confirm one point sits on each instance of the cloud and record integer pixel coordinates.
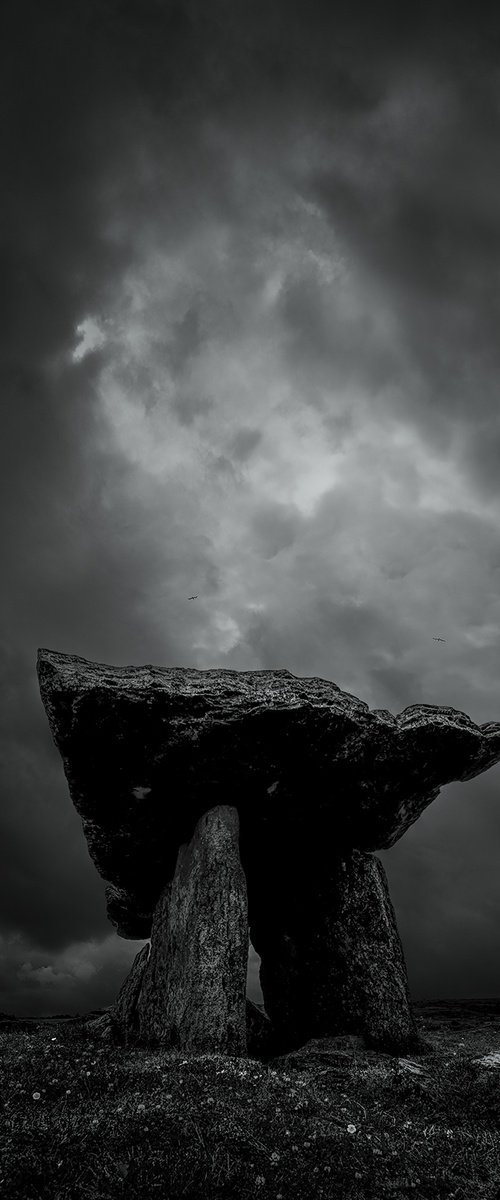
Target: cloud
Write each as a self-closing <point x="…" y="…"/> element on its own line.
<point x="81" y="976"/>
<point x="78" y="977"/>
<point x="249" y="351"/>
<point x="443" y="885"/>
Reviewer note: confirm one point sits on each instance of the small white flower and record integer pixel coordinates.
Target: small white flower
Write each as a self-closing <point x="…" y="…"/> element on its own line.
<point x="36" y="1095"/>
<point x="275" y="1156"/>
<point x="141" y="1108"/>
<point x="351" y="1129"/>
<point x="259" y="1179"/>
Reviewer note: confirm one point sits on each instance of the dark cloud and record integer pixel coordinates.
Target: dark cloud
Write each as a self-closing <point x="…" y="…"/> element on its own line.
<point x="249" y="350"/>
<point x="413" y="189"/>
<point x="244" y="442"/>
<point x="442" y="881"/>
<point x="275" y="527"/>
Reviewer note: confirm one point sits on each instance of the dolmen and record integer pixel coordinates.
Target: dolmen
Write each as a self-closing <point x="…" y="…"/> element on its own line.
<point x="224" y="805"/>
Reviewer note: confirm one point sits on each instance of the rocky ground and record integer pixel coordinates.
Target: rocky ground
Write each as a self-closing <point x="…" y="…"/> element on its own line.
<point x="83" y="1118"/>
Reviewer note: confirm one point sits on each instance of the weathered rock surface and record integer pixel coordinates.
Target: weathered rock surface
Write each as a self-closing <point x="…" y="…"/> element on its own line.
<point x="203" y="791"/>
<point x="104" y="1029"/>
<point x="331" y="957"/>
<point x="147" y="750"/>
<point x="192" y="993"/>
<point x="124" y="1013"/>
<point x="329" y="1054"/>
<point x="336" y="1057"/>
<point x="259" y="1032"/>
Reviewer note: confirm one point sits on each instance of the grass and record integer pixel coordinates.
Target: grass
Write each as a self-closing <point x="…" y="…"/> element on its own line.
<point x="86" y="1119"/>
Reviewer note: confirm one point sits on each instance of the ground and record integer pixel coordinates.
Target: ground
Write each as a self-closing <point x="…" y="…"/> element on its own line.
<point x="85" y="1119"/>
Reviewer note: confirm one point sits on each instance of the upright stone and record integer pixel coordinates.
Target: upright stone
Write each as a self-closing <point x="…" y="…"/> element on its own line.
<point x="317" y="780"/>
<point x="124" y="1012"/>
<point x="193" y="992"/>
<point x="337" y="965"/>
<point x="355" y="960"/>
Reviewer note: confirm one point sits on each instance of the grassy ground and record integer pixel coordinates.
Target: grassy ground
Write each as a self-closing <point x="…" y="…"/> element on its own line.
<point x="84" y="1119"/>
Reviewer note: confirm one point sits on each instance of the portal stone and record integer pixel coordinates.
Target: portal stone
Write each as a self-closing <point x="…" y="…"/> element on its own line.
<point x="337" y="966"/>
<point x="124" y="1013"/>
<point x="198" y="789"/>
<point x="193" y="990"/>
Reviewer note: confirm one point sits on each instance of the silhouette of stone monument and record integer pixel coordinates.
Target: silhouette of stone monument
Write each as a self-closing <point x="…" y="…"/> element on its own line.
<point x="218" y="804"/>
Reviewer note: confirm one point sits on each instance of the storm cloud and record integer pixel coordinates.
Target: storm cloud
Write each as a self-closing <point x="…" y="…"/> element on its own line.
<point x="249" y="337"/>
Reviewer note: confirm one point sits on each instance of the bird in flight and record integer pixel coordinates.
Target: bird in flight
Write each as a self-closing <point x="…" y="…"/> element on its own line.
<point x="192" y="597"/>
<point x="439" y="639"/>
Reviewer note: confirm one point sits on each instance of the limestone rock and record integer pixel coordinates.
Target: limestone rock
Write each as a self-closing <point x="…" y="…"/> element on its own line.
<point x="147" y="750"/>
<point x="332" y="960"/>
<point x="198" y="789"/>
<point x="258" y="1026"/>
<point x="193" y="988"/>
<point x="102" y="1028"/>
<point x="259" y="1032"/>
<point x="336" y="1057"/>
<point x="124" y="1013"/>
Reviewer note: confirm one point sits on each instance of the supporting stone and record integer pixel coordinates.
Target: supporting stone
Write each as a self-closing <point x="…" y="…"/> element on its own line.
<point x="124" y="1013"/>
<point x="259" y="1032"/>
<point x="319" y="781"/>
<point x="337" y="966"/>
<point x="193" y="991"/>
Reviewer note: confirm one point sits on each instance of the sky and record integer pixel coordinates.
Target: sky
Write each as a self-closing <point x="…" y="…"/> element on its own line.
<point x="249" y="352"/>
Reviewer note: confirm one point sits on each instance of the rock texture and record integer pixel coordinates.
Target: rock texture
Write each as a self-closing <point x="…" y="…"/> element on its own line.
<point x="192" y="993"/>
<point x="332" y="960"/>
<point x="333" y="1055"/>
<point x="259" y="1032"/>
<point x="316" y="782"/>
<point x="124" y="1014"/>
<point x="337" y="1057"/>
<point x="104" y="1029"/>
<point x="147" y="750"/>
